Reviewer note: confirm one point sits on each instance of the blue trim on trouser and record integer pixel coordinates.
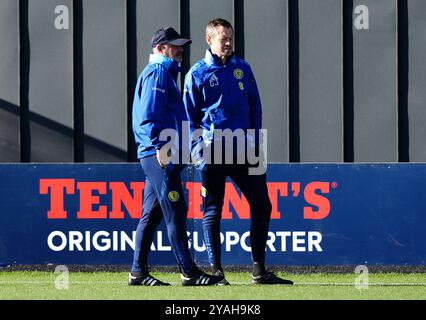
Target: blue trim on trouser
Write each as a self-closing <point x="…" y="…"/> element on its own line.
<point x="255" y="190"/>
<point x="156" y="205"/>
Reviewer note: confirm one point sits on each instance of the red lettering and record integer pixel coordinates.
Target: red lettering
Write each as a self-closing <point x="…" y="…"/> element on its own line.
<point x="121" y="195"/>
<point x="195" y="201"/>
<point x="131" y="199"/>
<point x="240" y="204"/>
<point x="321" y="202"/>
<point x="57" y="187"/>
<point x="87" y="200"/>
<point x="276" y="189"/>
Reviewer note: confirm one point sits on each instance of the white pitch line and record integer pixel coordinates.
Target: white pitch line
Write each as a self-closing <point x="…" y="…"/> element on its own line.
<point x="70" y="282"/>
<point x="345" y="284"/>
<point x="367" y="285"/>
<point x="317" y="284"/>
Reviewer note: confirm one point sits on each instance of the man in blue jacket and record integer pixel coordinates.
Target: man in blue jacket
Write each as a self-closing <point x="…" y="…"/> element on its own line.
<point x="221" y="95"/>
<point x="158" y="108"/>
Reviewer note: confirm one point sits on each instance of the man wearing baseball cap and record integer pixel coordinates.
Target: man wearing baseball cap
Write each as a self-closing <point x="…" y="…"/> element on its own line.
<point x="158" y="106"/>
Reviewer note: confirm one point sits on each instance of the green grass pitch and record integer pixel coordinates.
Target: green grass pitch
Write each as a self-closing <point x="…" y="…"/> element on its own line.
<point x="39" y="285"/>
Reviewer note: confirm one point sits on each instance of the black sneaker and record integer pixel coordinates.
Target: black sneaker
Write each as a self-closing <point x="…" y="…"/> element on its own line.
<point x="145" y="280"/>
<point x="223" y="282"/>
<point x="269" y="278"/>
<point x="200" y="278"/>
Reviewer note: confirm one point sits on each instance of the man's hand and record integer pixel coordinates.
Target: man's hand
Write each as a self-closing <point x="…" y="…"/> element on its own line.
<point x="163" y="157"/>
<point x="162" y="165"/>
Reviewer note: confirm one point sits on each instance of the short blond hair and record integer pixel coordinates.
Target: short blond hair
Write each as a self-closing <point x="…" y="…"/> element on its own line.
<point x="217" y="22"/>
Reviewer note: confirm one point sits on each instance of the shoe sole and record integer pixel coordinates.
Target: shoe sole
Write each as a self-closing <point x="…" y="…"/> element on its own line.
<point x="143" y="285"/>
<point x="282" y="284"/>
<point x="223" y="282"/>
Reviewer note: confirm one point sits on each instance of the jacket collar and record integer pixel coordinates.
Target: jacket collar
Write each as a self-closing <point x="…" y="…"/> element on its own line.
<point x="213" y="59"/>
<point x="170" y="64"/>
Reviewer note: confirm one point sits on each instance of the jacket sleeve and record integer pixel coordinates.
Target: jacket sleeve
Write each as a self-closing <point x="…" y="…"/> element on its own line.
<point x="255" y="105"/>
<point x="193" y="101"/>
<point x="150" y="105"/>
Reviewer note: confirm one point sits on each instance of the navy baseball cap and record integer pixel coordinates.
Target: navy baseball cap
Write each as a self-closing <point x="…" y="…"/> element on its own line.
<point x="168" y="35"/>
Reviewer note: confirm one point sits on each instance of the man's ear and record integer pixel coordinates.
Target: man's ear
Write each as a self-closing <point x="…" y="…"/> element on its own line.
<point x="159" y="48"/>
<point x="208" y="39"/>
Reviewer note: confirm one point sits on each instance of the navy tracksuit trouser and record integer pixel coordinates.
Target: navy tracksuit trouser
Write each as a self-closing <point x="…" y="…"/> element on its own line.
<point x="255" y="190"/>
<point x="163" y="197"/>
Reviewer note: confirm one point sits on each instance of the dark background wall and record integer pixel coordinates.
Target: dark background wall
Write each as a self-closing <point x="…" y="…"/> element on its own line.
<point x="340" y="80"/>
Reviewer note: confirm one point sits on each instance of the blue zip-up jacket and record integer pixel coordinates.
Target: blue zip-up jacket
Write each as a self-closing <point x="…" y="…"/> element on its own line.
<point x="157" y="104"/>
<point x="218" y="96"/>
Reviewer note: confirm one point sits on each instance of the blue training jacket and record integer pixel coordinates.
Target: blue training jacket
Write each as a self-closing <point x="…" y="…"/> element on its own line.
<point x="218" y="96"/>
<point x="157" y="104"/>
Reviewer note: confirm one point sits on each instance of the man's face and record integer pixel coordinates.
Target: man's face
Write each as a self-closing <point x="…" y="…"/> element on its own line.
<point x="222" y="44"/>
<point x="173" y="52"/>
